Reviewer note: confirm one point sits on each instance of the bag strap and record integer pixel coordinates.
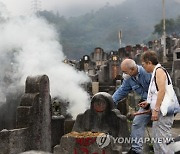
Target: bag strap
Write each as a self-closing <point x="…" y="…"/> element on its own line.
<point x="169" y="82"/>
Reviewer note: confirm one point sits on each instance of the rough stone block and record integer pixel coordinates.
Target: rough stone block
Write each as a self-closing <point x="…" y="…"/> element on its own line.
<point x="57" y="128"/>
<point x="87" y="143"/>
<point x="68" y="125"/>
<point x="14" y="141"/>
<point x="23" y="116"/>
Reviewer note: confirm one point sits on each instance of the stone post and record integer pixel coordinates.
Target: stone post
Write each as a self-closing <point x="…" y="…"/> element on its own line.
<point x="95" y="87"/>
<point x="35" y="112"/>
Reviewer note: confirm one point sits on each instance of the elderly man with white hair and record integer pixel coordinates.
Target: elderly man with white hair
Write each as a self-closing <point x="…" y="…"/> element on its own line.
<point x="135" y="79"/>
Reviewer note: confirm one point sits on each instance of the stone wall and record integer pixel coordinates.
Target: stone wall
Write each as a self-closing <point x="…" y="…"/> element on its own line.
<point x="14" y="141"/>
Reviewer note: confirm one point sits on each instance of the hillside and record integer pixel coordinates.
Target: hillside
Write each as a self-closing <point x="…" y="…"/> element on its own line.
<point x="135" y="18"/>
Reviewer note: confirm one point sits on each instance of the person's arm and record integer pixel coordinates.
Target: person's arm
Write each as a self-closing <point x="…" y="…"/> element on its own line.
<point x="122" y="91"/>
<point x="147" y="79"/>
<point x="161" y="83"/>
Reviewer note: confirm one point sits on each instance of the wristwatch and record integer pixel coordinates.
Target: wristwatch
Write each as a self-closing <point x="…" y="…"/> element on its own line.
<point x="156" y="109"/>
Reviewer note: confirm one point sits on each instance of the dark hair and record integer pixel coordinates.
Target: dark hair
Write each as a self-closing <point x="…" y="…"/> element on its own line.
<point x="150" y="56"/>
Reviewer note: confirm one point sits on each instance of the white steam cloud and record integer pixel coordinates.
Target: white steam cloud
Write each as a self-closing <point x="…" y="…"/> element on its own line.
<point x="29" y="46"/>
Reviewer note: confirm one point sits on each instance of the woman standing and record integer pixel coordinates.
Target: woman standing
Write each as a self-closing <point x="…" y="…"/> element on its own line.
<point x="161" y="123"/>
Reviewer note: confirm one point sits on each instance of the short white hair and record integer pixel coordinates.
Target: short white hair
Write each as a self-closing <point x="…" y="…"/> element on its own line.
<point x="129" y="63"/>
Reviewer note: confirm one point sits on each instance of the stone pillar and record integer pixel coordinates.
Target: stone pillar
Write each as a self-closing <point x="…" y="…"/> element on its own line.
<point x="35" y="112"/>
<point x="95" y="87"/>
<point x="57" y="129"/>
<point x="68" y="125"/>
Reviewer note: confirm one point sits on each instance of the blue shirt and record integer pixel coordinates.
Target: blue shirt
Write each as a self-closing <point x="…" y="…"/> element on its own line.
<point x="139" y="84"/>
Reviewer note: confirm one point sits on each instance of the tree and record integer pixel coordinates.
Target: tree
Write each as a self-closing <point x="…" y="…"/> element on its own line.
<point x="172" y="26"/>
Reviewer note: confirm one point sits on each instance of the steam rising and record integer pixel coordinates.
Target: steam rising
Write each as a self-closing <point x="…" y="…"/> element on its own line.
<point x="29" y="46"/>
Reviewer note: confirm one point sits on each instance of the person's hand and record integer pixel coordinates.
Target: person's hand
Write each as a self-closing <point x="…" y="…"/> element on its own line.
<point x="143" y="104"/>
<point x="155" y="115"/>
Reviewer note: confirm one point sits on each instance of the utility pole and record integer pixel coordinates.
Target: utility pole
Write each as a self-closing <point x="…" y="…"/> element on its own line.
<point x="120" y="37"/>
<point x="36" y="6"/>
<point x="164" y="31"/>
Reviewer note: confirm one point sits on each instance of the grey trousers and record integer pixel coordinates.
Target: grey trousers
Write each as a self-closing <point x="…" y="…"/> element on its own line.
<point x="161" y="133"/>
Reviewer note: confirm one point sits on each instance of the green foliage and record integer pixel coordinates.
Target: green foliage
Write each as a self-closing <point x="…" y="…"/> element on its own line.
<point x="172" y="26"/>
